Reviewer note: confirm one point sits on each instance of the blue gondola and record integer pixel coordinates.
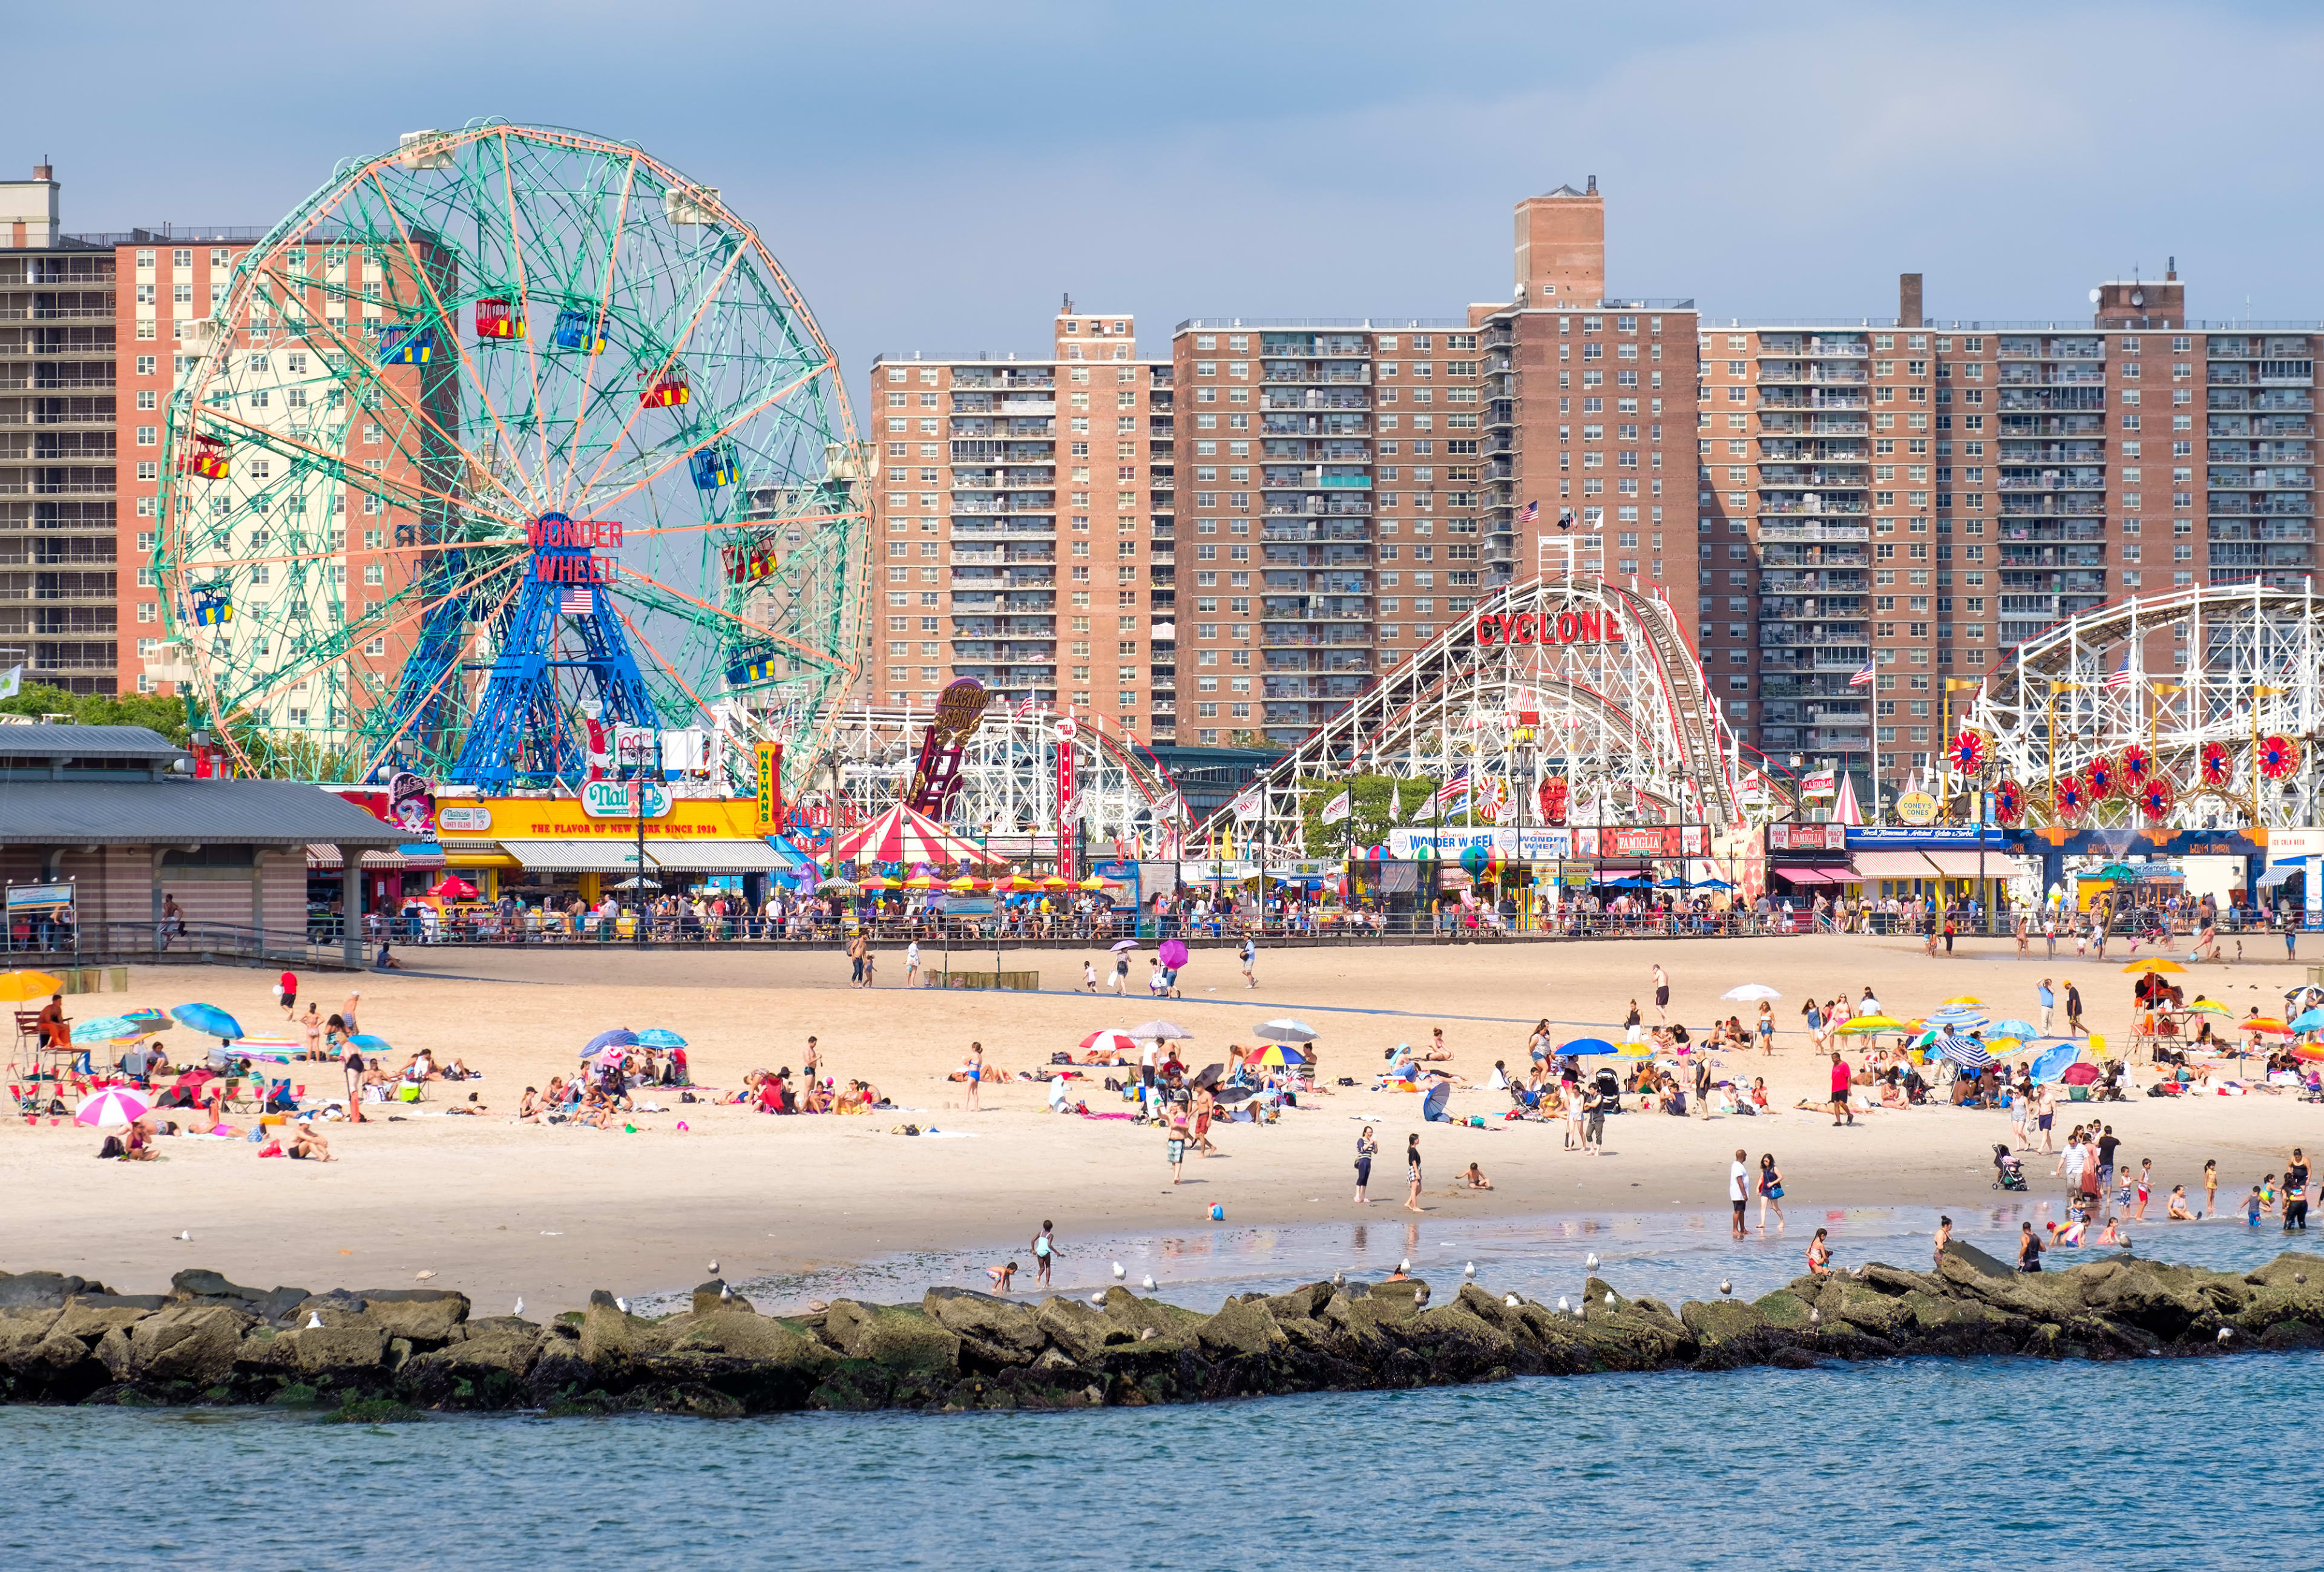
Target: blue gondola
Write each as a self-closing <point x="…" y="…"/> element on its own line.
<point x="403" y="344"/>
<point x="212" y="608"/>
<point x="713" y="466"/>
<point x="753" y="667"/>
<point x="575" y="330"/>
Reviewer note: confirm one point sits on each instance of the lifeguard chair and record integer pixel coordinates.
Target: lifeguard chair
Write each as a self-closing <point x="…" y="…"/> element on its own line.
<point x="405" y="344"/>
<point x="495" y="318"/>
<point x="206" y="459"/>
<point x="667" y="390"/>
<point x="575" y="329"/>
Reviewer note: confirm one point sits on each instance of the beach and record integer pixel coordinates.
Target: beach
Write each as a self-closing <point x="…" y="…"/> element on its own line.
<point x="497" y="1211"/>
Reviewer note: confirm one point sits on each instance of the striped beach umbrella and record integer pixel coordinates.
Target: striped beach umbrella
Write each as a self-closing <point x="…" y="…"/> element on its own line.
<point x="1277" y="1053"/>
<point x="1965" y="1051"/>
<point x="113" y="1105"/>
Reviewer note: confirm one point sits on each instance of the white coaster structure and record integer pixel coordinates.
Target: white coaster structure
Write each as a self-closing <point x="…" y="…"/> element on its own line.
<point x="1559" y="676"/>
<point x="1009" y="780"/>
<point x="2210" y="682"/>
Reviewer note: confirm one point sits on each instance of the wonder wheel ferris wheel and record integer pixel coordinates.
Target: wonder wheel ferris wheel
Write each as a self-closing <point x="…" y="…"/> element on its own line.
<point x="501" y="442"/>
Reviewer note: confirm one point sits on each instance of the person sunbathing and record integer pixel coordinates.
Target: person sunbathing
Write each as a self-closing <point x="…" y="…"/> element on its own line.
<point x="816" y="1098"/>
<point x="310" y="1147"/>
<point x="596" y="1112"/>
<point x="137" y="1143"/>
<point x="852" y="1100"/>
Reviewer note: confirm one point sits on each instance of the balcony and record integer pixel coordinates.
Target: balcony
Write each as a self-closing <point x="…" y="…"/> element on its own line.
<point x="2053" y="480"/>
<point x="1790" y="451"/>
<point x="1312" y="399"/>
<point x="1811" y="531"/>
<point x="2089" y="347"/>
<point x="1779" y="507"/>
<point x="2273" y="478"/>
<point x="1813" y="425"/>
<point x="1793" y="477"/>
<point x="2061" y="505"/>
<point x="1814" y="399"/>
<point x="1794" y="375"/>
<point x="2052" y="376"/>
<point x="1315" y="506"/>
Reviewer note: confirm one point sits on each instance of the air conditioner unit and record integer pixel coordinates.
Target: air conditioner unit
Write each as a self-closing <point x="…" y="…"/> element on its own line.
<point x="690" y="205"/>
<point x="414" y="152"/>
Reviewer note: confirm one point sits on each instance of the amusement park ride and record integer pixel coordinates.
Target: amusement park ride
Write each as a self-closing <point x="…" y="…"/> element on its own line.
<point x="514" y="435"/>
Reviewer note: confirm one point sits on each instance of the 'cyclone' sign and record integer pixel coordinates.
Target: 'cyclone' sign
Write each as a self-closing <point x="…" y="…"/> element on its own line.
<point x="1591" y="626"/>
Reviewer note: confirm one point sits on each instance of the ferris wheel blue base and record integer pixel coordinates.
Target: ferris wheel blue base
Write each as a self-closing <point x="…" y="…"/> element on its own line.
<point x="528" y="729"/>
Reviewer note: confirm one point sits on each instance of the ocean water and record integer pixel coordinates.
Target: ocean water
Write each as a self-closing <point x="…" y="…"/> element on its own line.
<point x="1985" y="1464"/>
<point x="1673" y="1256"/>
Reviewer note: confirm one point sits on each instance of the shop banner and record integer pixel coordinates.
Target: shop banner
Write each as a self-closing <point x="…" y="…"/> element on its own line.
<point x="1642" y="840"/>
<point x="768" y="760"/>
<point x="1807" y="837"/>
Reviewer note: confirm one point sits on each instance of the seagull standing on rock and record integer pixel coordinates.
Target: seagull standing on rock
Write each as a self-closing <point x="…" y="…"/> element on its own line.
<point x="520" y="1306"/>
<point x="314" y="1321"/>
<point x="1469" y="1270"/>
<point x="1150" y="1282"/>
<point x="1118" y="1271"/>
<point x="621" y="1305"/>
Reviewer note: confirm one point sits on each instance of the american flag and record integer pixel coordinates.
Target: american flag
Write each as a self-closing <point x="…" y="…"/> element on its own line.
<point x="576" y="601"/>
<point x="1862" y="679"/>
<point x="1027" y="708"/>
<point x="1454" y="790"/>
<point x="2120" y="676"/>
<point x="1532" y="512"/>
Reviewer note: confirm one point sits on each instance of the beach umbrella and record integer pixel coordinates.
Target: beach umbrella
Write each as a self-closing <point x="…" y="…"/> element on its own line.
<point x="17" y="987"/>
<point x="1094" y="882"/>
<point x="1162" y="1030"/>
<point x="1870" y="1023"/>
<point x="659" y="1037"/>
<point x="1123" y="944"/>
<point x="1751" y="993"/>
<point x="2020" y="1030"/>
<point x="2309" y="1050"/>
<point x="1209" y="1075"/>
<point x="2211" y="1007"/>
<point x="1288" y="1030"/>
<point x="1966" y="1052"/>
<point x="2263" y="1025"/>
<point x="1640" y="1050"/>
<point x="2079" y="1075"/>
<point x="372" y="1044"/>
<point x="838" y="886"/>
<point x="1056" y="881"/>
<point x="1173" y="953"/>
<point x="454" y="889"/>
<point x="113" y="1105"/>
<point x="924" y="882"/>
<point x="618" y="1037"/>
<point x="2053" y="1061"/>
<point x="2155" y="965"/>
<point x="1710" y="884"/>
<point x="1964" y="999"/>
<point x="1275" y="1053"/>
<point x="2306" y="1021"/>
<point x="1957" y="1014"/>
<point x="1432" y="1104"/>
<point x="112" y="1028"/>
<point x="1113" y="1042"/>
<point x="208" y="1019"/>
<point x="1586" y="1048"/>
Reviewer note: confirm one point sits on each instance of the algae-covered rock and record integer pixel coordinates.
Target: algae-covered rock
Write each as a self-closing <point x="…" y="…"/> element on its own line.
<point x="191" y="1343"/>
<point x="903" y="1338"/>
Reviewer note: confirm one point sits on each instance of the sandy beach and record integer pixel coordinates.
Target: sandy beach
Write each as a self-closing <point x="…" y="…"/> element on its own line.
<point x="497" y="1209"/>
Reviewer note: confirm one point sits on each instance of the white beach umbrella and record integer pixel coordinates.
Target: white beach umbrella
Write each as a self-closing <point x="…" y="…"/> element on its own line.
<point x="1286" y="1030"/>
<point x="1751" y="993"/>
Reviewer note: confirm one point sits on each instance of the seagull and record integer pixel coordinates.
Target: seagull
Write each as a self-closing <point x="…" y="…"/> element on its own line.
<point x="621" y="1305"/>
<point x="1565" y="1307"/>
<point x="1405" y="1266"/>
<point x="714" y="1269"/>
<point x="520" y="1306"/>
<point x="1118" y="1271"/>
<point x="2225" y="1333"/>
<point x="188" y="1235"/>
<point x="424" y="1276"/>
<point x="1592" y="1261"/>
<point x="1510" y="1301"/>
<point x="1097" y="1298"/>
<point x="725" y="1293"/>
<point x="1815" y="1316"/>
<point x="1150" y="1282"/>
<point x="314" y="1321"/>
<point x="1340" y="1279"/>
<point x="1609" y="1298"/>
<point x="1469" y="1270"/>
<point x="1725" y="1287"/>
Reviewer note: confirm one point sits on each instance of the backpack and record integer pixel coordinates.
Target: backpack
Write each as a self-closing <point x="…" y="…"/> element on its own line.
<point x="113" y="1148"/>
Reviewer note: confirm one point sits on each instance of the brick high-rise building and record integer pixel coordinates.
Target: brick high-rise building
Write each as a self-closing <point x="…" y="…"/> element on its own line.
<point x="1919" y="497"/>
<point x="1022" y="526"/>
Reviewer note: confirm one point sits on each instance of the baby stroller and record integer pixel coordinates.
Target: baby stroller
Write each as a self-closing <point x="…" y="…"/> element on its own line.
<point x="2010" y="1174"/>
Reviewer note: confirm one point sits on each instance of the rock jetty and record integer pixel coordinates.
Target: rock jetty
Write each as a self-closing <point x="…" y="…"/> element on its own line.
<point x="377" y="1353"/>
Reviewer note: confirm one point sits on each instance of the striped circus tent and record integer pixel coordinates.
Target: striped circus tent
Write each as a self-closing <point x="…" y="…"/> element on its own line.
<point x="901" y="835"/>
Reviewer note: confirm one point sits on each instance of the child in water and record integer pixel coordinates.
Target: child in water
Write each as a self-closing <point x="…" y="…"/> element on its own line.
<point x="1000" y="1276"/>
<point x="2251" y="1207"/>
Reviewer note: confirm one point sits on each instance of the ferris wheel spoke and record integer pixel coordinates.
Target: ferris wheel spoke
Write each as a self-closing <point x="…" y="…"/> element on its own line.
<point x="450" y="320"/>
<point x="678" y="346"/>
<point x="371" y="482"/>
<point x="435" y="688"/>
<point x="524" y="295"/>
<point x="659" y="470"/>
<point x="667" y="667"/>
<point x="585" y="394"/>
<point x="758" y="629"/>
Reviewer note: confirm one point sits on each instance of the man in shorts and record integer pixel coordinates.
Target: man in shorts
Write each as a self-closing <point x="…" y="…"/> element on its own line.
<point x="2295" y="1192"/>
<point x="1250" y="962"/>
<point x="1662" y="994"/>
<point x="1840" y="1084"/>
<point x="1738" y="1189"/>
<point x="1607" y="1099"/>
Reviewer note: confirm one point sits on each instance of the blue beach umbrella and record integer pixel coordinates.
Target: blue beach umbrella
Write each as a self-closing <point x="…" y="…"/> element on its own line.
<point x="1431" y="1103"/>
<point x="116" y="1028"/>
<point x="2052" y="1062"/>
<point x="369" y="1043"/>
<point x="209" y="1021"/>
<point x="659" y="1037"/>
<point x="2021" y="1030"/>
<point x="620" y="1037"/>
<point x="1964" y="1052"/>
<point x="1586" y="1048"/>
<point x="2306" y="1021"/>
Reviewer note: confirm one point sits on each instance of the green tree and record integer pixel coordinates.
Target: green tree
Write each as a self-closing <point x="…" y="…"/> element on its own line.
<point x="166" y="715"/>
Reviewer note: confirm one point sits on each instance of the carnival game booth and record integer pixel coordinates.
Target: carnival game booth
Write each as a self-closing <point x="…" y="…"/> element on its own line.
<point x="1952" y="864"/>
<point x="555" y="850"/>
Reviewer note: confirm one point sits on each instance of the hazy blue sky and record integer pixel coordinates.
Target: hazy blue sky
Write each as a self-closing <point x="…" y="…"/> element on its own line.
<point x="933" y="177"/>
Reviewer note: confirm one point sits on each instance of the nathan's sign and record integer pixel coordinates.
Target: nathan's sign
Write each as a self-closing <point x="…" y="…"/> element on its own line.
<point x="1565" y="627"/>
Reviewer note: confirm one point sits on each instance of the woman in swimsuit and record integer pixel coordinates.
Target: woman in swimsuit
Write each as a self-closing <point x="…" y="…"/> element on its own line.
<point x="1819" y="1254"/>
<point x="2211" y="1187"/>
<point x="975" y="1075"/>
<point x="1771" y="1191"/>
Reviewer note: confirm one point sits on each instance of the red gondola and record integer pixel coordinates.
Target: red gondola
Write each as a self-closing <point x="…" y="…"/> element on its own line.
<point x="206" y="459"/>
<point x="667" y="391"/>
<point x="497" y="320"/>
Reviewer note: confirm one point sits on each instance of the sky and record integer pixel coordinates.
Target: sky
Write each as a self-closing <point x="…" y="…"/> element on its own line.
<point x="934" y="178"/>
